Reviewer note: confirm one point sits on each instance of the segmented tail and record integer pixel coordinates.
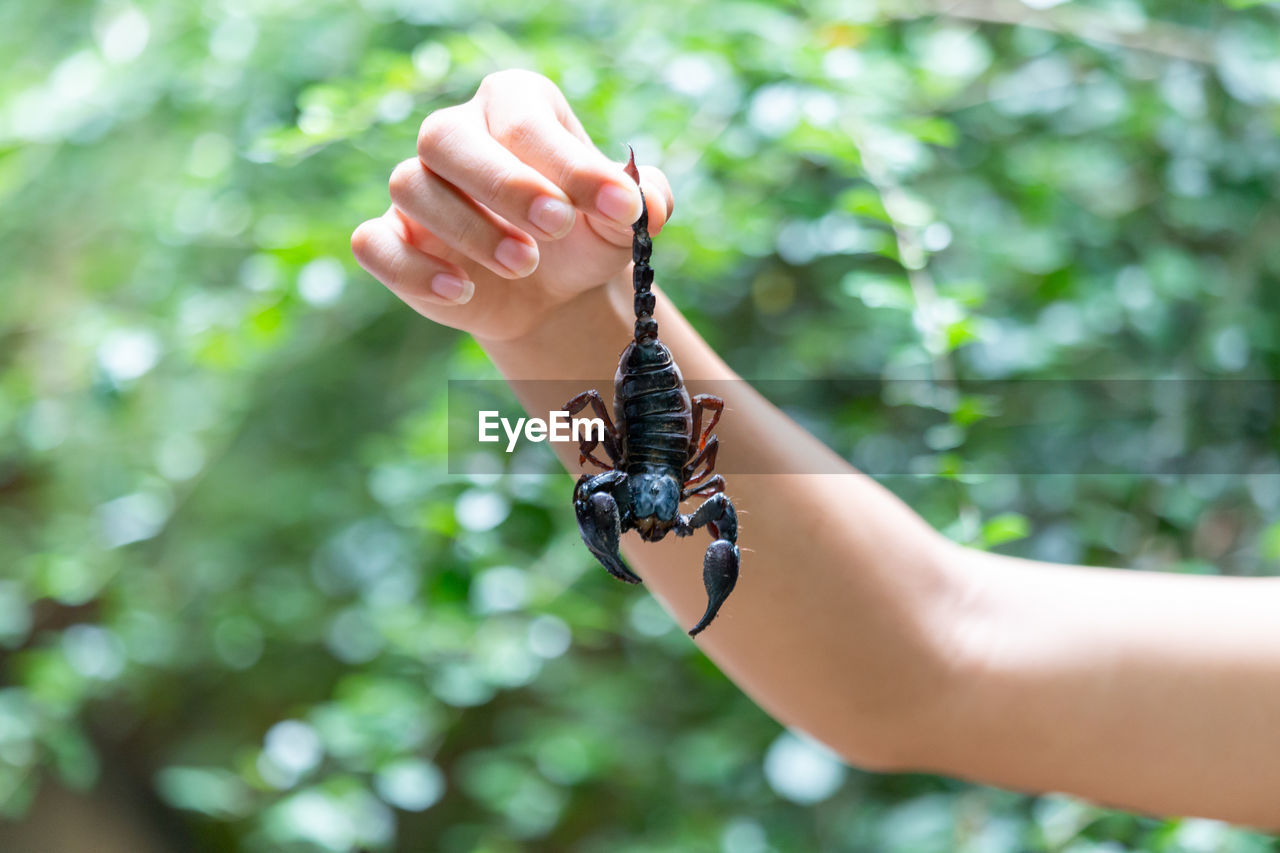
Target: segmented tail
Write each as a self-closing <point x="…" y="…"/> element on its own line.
<point x="642" y="273"/>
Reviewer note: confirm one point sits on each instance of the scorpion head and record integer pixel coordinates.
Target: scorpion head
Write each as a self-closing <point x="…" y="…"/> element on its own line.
<point x="655" y="504"/>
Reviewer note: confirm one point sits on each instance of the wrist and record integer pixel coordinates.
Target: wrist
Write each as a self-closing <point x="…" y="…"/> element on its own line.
<point x="566" y="336"/>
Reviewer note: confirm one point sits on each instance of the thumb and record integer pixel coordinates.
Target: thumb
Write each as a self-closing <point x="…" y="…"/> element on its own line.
<point x="658" y="198"/>
<point x="658" y="202"/>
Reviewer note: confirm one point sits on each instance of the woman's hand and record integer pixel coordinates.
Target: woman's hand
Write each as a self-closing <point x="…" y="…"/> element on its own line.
<point x="507" y="211"/>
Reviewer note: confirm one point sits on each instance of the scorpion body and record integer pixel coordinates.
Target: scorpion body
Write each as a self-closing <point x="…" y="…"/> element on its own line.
<point x="659" y="450"/>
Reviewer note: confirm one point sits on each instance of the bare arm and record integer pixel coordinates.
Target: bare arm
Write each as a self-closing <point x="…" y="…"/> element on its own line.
<point x="853" y="620"/>
<point x="1155" y="692"/>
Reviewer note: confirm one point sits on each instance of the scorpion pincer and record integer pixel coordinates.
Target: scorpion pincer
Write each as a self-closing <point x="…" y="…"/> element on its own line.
<point x="659" y="450"/>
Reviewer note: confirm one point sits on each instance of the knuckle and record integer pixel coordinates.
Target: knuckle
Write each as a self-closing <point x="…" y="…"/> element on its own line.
<point x="497" y="182"/>
<point x="362" y="239"/>
<point x="494" y="80"/>
<point x="395" y="272"/>
<point x="427" y="132"/>
<point x="514" y="77"/>
<point x="519" y="133"/>
<point x="468" y="235"/>
<point x="435" y="129"/>
<point x="571" y="175"/>
<point x="403" y="178"/>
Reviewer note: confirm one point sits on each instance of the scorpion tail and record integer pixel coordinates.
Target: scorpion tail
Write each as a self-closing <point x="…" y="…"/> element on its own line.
<point x="630" y="168"/>
<point x="641" y="272"/>
<point x="720" y="574"/>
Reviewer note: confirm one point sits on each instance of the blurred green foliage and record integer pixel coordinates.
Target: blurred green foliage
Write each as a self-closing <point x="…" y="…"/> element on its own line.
<point x="235" y="574"/>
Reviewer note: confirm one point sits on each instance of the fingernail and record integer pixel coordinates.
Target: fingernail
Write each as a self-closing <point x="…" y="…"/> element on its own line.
<point x="619" y="204"/>
<point x="452" y="288"/>
<point x="517" y="256"/>
<point x="551" y="215"/>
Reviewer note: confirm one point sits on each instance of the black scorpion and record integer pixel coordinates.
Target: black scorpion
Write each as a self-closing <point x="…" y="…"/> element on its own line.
<point x="661" y="454"/>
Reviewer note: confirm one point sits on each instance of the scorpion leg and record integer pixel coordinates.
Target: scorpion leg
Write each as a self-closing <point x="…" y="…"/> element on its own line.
<point x="714" y="486"/>
<point x="698" y="436"/>
<point x="707" y="458"/>
<point x="601" y="504"/>
<point x="612" y="442"/>
<point x="720" y="565"/>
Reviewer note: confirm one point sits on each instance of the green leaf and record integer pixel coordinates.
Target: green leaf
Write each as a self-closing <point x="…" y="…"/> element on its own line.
<point x="1006" y="527"/>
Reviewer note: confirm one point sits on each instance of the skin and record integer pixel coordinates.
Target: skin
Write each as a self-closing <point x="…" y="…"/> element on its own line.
<point x="853" y="620"/>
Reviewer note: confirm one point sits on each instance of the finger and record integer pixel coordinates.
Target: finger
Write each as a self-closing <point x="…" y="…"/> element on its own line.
<point x="455" y="145"/>
<point x="657" y="201"/>
<point x="657" y="196"/>
<point x="596" y="184"/>
<point x="381" y="249"/>
<point x="465" y="226"/>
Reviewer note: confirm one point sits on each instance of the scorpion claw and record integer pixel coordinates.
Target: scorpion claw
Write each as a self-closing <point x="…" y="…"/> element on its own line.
<point x="720" y="574"/>
<point x="600" y="525"/>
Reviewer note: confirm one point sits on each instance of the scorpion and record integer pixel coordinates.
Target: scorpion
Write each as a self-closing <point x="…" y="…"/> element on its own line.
<point x="661" y="453"/>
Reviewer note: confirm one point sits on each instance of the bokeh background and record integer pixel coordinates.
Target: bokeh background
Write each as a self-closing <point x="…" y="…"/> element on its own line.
<point x="244" y="607"/>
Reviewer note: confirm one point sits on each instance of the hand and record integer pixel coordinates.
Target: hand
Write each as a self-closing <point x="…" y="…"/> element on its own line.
<point x="507" y="211"/>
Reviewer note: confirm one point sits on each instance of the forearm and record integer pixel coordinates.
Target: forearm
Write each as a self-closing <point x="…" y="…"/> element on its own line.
<point x="1149" y="691"/>
<point x="839" y="623"/>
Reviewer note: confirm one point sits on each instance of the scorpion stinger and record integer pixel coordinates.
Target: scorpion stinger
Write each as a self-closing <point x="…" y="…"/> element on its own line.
<point x="660" y="453"/>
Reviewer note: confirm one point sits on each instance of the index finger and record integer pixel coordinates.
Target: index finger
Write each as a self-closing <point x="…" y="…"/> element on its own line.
<point x="593" y="182"/>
